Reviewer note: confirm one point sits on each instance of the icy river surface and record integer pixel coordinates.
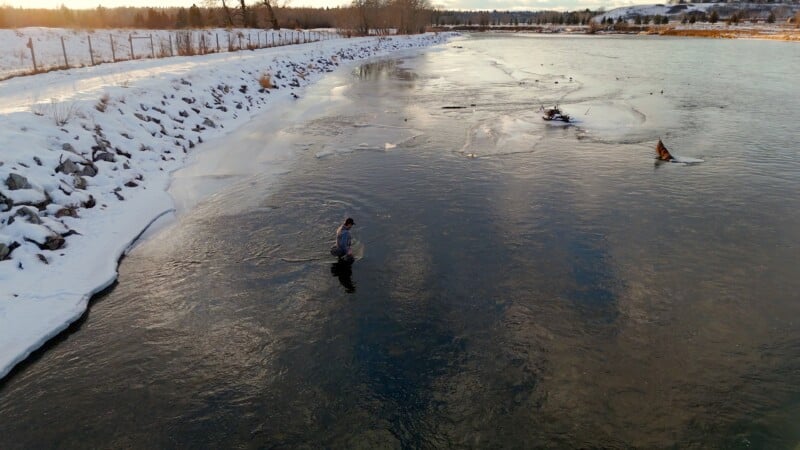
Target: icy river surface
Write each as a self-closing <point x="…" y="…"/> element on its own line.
<point x="520" y="283"/>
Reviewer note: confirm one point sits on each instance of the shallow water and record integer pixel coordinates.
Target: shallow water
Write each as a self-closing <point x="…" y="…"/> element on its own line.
<point x="521" y="284"/>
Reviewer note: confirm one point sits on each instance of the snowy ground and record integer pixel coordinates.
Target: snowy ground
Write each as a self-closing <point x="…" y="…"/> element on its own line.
<point x="86" y="156"/>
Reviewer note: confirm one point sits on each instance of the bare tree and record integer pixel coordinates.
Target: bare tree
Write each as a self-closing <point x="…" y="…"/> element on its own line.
<point x="228" y="14"/>
<point x="271" y="17"/>
<point x="411" y="16"/>
<point x="366" y="15"/>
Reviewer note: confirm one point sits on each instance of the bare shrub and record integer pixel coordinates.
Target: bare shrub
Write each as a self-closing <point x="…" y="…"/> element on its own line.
<point x="103" y="103"/>
<point x="183" y="42"/>
<point x="61" y="113"/>
<point x="266" y="81"/>
<point x="164" y="48"/>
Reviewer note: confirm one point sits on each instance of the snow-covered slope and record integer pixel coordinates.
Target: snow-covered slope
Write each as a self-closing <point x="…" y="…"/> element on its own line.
<point x="674" y="12"/>
<point x="630" y="12"/>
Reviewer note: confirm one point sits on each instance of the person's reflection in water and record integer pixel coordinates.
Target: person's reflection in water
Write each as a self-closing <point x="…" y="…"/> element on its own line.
<point x="343" y="270"/>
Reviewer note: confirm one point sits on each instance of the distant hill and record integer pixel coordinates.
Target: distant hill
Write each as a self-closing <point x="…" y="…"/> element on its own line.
<point x="782" y="11"/>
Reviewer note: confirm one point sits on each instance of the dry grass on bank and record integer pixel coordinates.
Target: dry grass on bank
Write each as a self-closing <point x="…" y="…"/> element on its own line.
<point x="783" y="35"/>
<point x="265" y="81"/>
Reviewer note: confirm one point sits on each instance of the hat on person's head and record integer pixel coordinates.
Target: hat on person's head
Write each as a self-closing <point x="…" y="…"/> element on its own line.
<point x="349" y="221"/>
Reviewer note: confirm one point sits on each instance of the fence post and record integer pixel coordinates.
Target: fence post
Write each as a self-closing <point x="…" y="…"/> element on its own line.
<point x="152" y="47"/>
<point x="171" y="51"/>
<point x="113" y="51"/>
<point x="64" y="49"/>
<point x="249" y="40"/>
<point x="91" y="52"/>
<point x="202" y="43"/>
<point x="240" y="41"/>
<point x="130" y="39"/>
<point x="217" y="37"/>
<point x="33" y="55"/>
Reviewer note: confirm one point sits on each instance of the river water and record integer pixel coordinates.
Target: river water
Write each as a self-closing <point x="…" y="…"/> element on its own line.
<point x="520" y="284"/>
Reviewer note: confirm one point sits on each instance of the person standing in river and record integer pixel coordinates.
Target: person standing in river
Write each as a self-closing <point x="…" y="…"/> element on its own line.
<point x="344" y="242"/>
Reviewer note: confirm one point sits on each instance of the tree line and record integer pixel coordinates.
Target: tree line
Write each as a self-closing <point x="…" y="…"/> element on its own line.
<point x="360" y="17"/>
<point x="513" y="18"/>
<point x="404" y="16"/>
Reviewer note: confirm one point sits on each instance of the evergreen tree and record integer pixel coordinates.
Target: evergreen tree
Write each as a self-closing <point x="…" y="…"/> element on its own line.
<point x="153" y="19"/>
<point x="67" y="15"/>
<point x="771" y="18"/>
<point x="714" y="17"/>
<point x="182" y="18"/>
<point x="195" y="17"/>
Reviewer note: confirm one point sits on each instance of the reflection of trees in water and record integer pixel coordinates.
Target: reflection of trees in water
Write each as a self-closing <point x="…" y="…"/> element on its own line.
<point x="382" y="70"/>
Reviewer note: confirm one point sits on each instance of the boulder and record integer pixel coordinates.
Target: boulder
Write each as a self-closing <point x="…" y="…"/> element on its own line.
<point x="6" y="249"/>
<point x="68" y="211"/>
<point x="53" y="242"/>
<point x="89" y="203"/>
<point x="28" y="214"/>
<point x="5" y="203"/>
<point x="89" y="170"/>
<point x="15" y="181"/>
<point x="78" y="181"/>
<point x="68" y="167"/>
<point x="104" y="156"/>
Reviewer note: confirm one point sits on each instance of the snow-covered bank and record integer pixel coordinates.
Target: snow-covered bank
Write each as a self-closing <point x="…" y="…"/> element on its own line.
<point x="82" y="176"/>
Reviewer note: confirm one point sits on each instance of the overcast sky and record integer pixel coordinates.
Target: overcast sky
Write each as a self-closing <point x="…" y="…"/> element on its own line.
<point x="500" y="5"/>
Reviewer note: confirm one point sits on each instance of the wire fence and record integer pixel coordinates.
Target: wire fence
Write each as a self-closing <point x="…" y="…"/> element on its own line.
<point x="50" y="50"/>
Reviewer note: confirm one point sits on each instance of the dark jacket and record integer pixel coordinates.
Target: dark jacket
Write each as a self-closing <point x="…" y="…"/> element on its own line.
<point x="343" y="240"/>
